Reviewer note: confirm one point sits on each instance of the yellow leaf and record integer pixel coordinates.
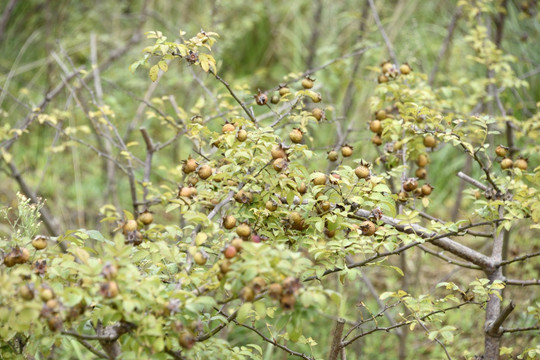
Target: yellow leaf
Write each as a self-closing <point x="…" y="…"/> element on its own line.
<point x="153" y="73"/>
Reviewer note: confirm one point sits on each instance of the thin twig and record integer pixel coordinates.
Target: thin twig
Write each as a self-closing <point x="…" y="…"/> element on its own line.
<point x="383" y="33"/>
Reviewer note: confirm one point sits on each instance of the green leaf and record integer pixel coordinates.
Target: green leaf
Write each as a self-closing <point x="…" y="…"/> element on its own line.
<point x="153" y="73"/>
<point x="244" y="312"/>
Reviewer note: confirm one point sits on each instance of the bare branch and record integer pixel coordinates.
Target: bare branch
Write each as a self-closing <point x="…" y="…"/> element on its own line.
<point x="472" y="181"/>
<point x="383" y="33"/>
<point x="445" y="45"/>
<point x="336" y="340"/>
<point x="522" y="282"/>
<point x="519" y="258"/>
<point x="493" y="328"/>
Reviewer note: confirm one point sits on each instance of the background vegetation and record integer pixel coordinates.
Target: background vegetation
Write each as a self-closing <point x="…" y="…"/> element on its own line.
<point x="262" y="44"/>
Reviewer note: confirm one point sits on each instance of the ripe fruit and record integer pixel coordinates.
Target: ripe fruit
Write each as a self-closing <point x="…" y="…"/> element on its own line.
<point x="368" y="228"/>
<point x="279" y="164"/>
<point x="186" y="339"/>
<point x="320" y="179"/>
<point x="271" y="205"/>
<point x="426" y="189"/>
<point x="39" y="242"/>
<point x="261" y="98"/>
<point x="225" y="266"/>
<point x="54" y="323"/>
<point x="9" y="260"/>
<point x="109" y="271"/>
<point x="333" y="155"/>
<point x="386" y="66"/>
<point x="146" y="218"/>
<point x="346" y="150"/>
<point x="376" y="139"/>
<point x="284" y="90"/>
<point x="275" y="290"/>
<point x="325" y="206"/>
<point x="521" y="164"/>
<point x="403" y="196"/>
<point x="315" y="97"/>
<point x="45" y="293"/>
<point x="230" y="252"/>
<point x="129" y="226"/>
<point x="421" y="173"/>
<point x="422" y="160"/>
<point x="405" y="69"/>
<point x="296" y="136"/>
<point x="109" y="289"/>
<point x="501" y="150"/>
<point x="430" y="141"/>
<point x="318" y="114"/>
<point x="362" y="172"/>
<point x="199" y="258"/>
<point x="278" y="152"/>
<point x="295" y="217"/>
<point x="187" y="191"/>
<point x="375" y="126"/>
<point x="189" y="166"/>
<point x="227" y="128"/>
<point x="380" y="115"/>
<point x="243" y="230"/>
<point x="193" y="180"/>
<point x="258" y="284"/>
<point x="410" y="184"/>
<point x="302" y="188"/>
<point x="382" y="79"/>
<point x="307" y="82"/>
<point x="52" y="304"/>
<point x="287" y="302"/>
<point x="242" y="135"/>
<point x="247" y="294"/>
<point x="23" y="255"/>
<point x="507" y="163"/>
<point x="26" y="292"/>
<point x="237" y="243"/>
<point x="205" y="171"/>
<point x="243" y="197"/>
<point x="229" y="222"/>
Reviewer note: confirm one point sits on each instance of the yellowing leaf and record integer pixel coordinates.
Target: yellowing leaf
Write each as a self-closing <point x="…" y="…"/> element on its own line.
<point x="153" y="73"/>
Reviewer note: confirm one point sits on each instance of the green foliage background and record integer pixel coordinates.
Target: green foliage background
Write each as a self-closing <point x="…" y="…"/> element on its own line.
<point x="261" y="42"/>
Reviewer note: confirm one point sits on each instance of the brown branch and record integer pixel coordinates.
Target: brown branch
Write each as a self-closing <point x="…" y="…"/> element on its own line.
<point x="274" y="342"/>
<point x="51" y="224"/>
<point x="403" y="323"/>
<point x="218" y="328"/>
<point x="445" y="45"/>
<point x="449" y="260"/>
<point x="494" y="328"/>
<point x="5" y="17"/>
<point x="530" y="328"/>
<point x="335" y="348"/>
<point x="441" y="241"/>
<point x="522" y="282"/>
<point x="150" y="149"/>
<point x="226" y="84"/>
<point x="315" y="32"/>
<point x="383" y="33"/>
<point x="519" y="258"/>
<point x="7" y="144"/>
